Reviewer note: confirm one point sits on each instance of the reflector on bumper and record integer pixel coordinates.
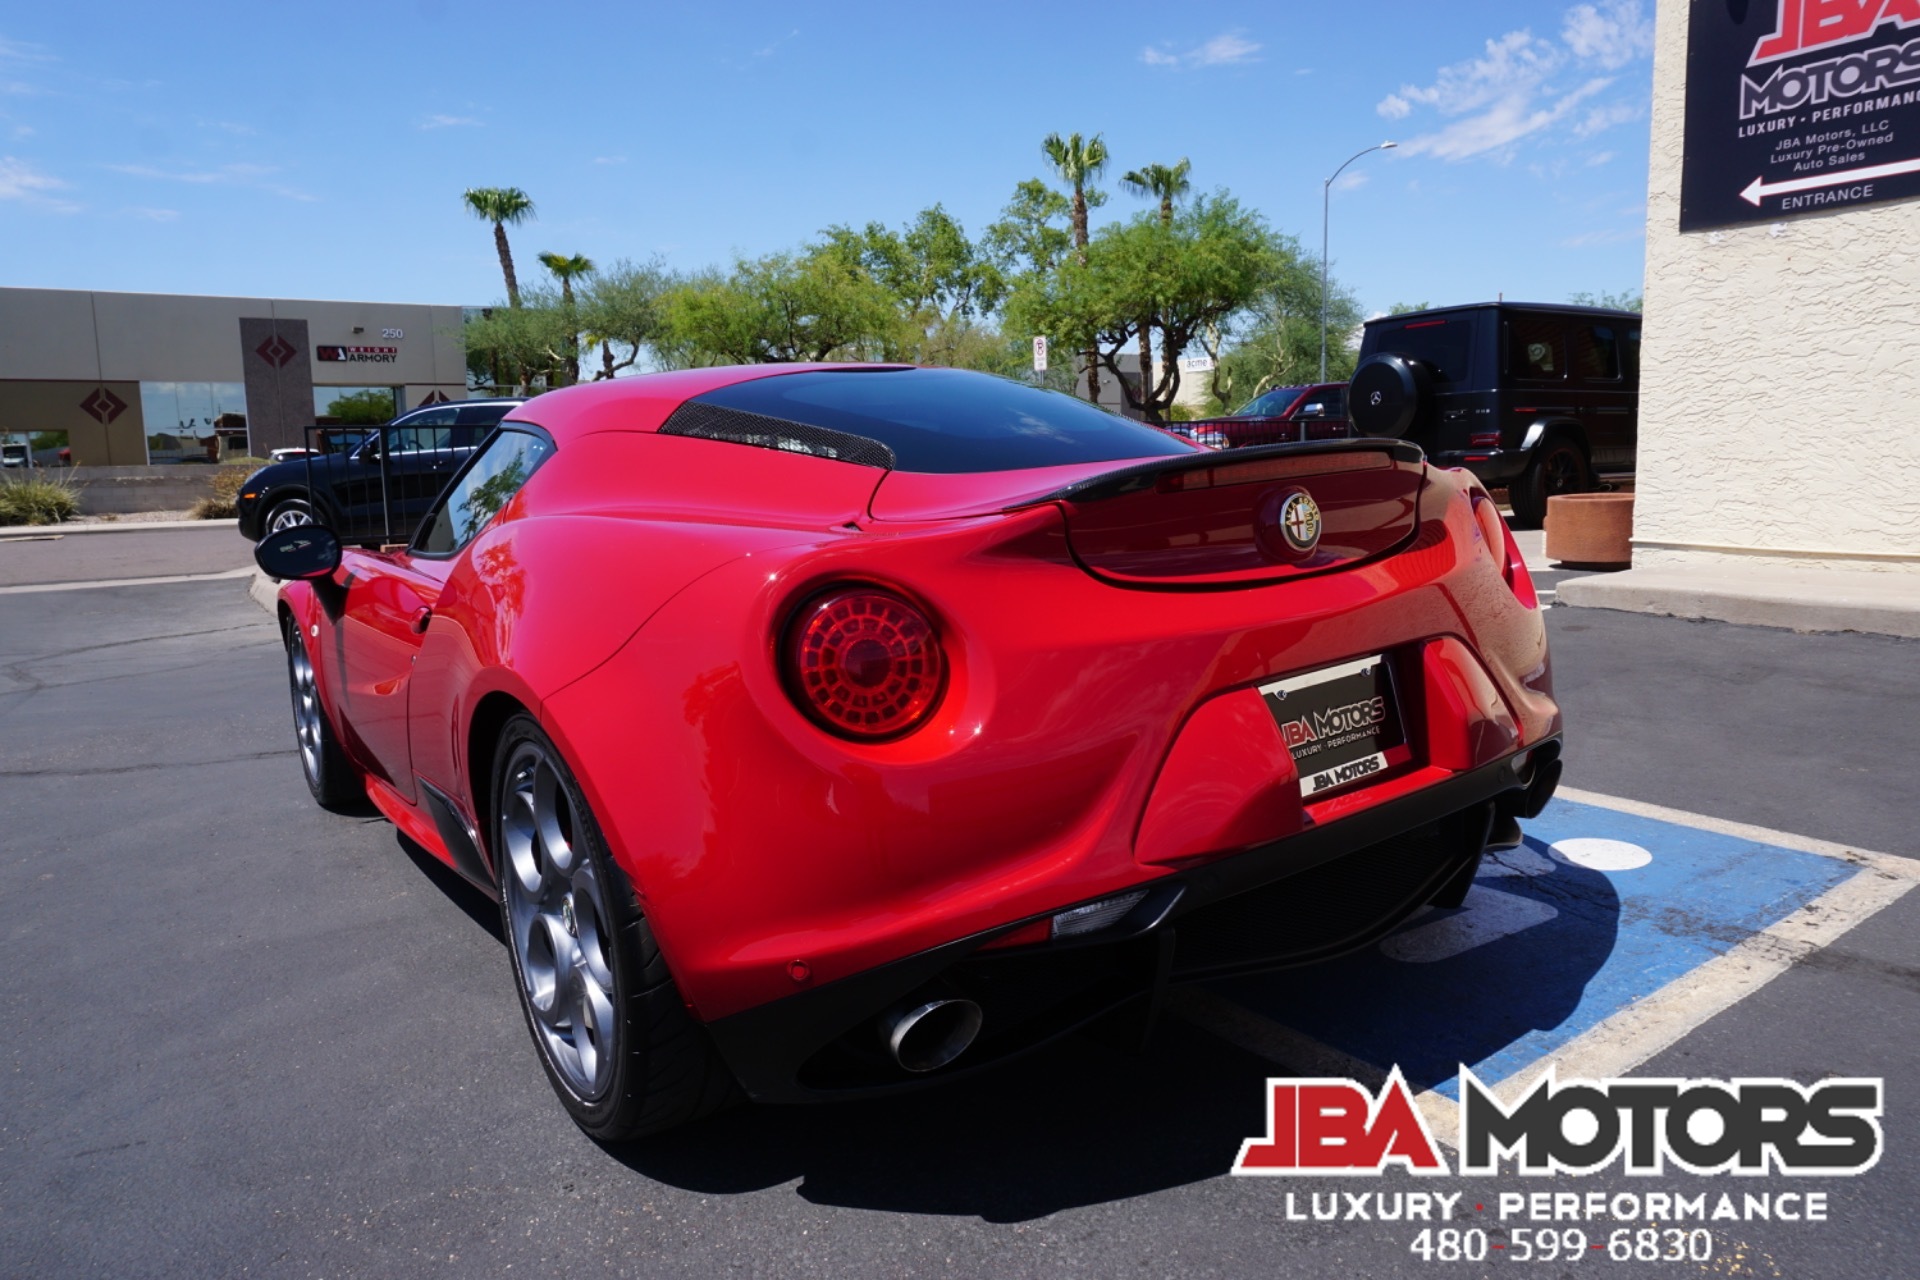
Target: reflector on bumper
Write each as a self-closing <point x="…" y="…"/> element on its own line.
<point x="1095" y="916"/>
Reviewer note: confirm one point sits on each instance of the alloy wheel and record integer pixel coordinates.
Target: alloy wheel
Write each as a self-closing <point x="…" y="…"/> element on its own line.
<point x="306" y="704"/>
<point x="289" y="514"/>
<point x="558" y="923"/>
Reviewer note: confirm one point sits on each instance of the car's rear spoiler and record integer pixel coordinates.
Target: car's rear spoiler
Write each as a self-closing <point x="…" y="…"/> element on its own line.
<point x="1145" y="475"/>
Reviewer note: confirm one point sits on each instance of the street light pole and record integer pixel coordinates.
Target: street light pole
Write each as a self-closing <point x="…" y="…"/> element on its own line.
<point x="1326" y="189"/>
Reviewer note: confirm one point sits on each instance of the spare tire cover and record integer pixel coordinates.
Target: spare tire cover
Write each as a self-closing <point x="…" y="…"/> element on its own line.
<point x="1386" y="395"/>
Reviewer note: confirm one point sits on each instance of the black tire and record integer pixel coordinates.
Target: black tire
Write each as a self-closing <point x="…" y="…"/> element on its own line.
<point x="331" y="777"/>
<point x="1390" y="396"/>
<point x="653" y="1067"/>
<point x="286" y="513"/>
<point x="1559" y="467"/>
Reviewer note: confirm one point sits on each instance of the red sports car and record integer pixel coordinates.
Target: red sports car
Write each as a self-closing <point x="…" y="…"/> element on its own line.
<point x="827" y="730"/>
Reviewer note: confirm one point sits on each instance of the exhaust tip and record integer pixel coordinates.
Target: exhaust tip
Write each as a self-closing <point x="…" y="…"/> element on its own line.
<point x="927" y="1036"/>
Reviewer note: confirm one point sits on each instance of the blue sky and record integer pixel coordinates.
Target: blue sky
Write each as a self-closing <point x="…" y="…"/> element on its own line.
<point x="320" y="150"/>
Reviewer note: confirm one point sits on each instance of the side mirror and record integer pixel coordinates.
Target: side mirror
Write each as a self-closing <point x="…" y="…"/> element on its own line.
<point x="303" y="551"/>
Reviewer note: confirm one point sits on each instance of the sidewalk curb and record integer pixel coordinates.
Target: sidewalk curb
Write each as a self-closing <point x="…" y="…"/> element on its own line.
<point x="264" y="592"/>
<point x="1879" y="604"/>
<point x="137" y="526"/>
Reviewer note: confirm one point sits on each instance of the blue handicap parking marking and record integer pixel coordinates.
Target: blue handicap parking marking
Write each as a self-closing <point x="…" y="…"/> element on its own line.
<point x="1597" y="910"/>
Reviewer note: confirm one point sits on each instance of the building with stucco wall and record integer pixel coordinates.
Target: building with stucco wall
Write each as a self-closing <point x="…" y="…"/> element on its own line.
<point x="130" y="379"/>
<point x="1781" y="384"/>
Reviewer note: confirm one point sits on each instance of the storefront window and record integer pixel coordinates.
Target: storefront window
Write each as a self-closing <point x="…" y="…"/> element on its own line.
<point x="21" y="449"/>
<point x="355" y="404"/>
<point x="194" y="421"/>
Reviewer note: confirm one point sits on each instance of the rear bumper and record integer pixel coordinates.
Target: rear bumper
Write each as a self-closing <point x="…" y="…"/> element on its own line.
<point x="1311" y="896"/>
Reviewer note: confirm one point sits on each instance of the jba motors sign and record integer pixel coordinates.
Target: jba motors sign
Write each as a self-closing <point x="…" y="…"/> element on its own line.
<point x="357" y="355"/>
<point x="1799" y="106"/>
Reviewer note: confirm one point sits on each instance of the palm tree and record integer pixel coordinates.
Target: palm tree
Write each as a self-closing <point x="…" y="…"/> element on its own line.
<point x="566" y="270"/>
<point x="501" y="206"/>
<point x="1079" y="161"/>
<point x="1167" y="183"/>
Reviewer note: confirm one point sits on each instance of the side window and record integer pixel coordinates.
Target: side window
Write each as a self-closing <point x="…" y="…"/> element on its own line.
<point x="482" y="415"/>
<point x="439" y="416"/>
<point x="1630" y="353"/>
<point x="491" y="478"/>
<point x="1534" y="348"/>
<point x="1336" y="401"/>
<point x="1596" y="352"/>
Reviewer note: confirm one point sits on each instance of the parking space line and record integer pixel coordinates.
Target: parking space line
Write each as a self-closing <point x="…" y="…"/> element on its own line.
<point x="34" y="587"/>
<point x="1636" y="1032"/>
<point x="1897" y="864"/>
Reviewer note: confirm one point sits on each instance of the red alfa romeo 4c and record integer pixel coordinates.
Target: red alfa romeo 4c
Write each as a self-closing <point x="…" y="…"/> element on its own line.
<point x="830" y="730"/>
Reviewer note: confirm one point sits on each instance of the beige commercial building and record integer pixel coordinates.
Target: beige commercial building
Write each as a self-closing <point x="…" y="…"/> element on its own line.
<point x="127" y="379"/>
<point x="1781" y="387"/>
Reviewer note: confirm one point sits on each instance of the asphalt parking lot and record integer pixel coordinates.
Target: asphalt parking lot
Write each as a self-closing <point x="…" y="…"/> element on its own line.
<point x="242" y="1035"/>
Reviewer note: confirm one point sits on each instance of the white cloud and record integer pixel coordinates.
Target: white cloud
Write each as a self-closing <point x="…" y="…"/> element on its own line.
<point x="21" y="181"/>
<point x="1612" y="33"/>
<point x="1351" y="179"/>
<point x="154" y="215"/>
<point x="21" y="51"/>
<point x="1523" y="85"/>
<point x="1227" y="49"/>
<point x="449" y="122"/>
<point x="767" y="51"/>
<point x="1598" y="158"/>
<point x="235" y="175"/>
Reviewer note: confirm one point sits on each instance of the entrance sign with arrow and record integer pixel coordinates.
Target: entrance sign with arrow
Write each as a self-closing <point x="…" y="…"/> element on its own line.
<point x="1799" y="106"/>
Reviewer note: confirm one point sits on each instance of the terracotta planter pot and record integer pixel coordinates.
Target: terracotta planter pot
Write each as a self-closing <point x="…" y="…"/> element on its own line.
<point x="1591" y="530"/>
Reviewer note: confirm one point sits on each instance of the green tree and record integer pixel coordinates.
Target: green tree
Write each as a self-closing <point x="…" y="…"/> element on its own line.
<point x="503" y="207"/>
<point x="1278" y="341"/>
<point x="1199" y="272"/>
<point x="369" y="405"/>
<point x="1079" y="161"/>
<point x="535" y="340"/>
<point x="620" y="312"/>
<point x="1621" y="301"/>
<point x="1405" y="308"/>
<point x="1165" y="183"/>
<point x="815" y="305"/>
<point x="566" y="270"/>
<point x="942" y="285"/>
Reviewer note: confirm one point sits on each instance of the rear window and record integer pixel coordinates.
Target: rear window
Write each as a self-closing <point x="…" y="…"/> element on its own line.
<point x="1446" y="345"/>
<point x="938" y="420"/>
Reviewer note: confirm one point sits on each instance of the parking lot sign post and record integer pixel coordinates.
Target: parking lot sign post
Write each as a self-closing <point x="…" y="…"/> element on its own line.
<point x="1039" y="355"/>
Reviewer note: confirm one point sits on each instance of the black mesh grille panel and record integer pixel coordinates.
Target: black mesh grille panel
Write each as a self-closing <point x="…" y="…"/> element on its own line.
<point x="1322" y="911"/>
<point x="736" y="426"/>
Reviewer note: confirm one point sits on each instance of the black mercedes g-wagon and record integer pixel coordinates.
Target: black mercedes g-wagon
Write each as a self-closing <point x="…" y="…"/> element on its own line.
<point x="1536" y="398"/>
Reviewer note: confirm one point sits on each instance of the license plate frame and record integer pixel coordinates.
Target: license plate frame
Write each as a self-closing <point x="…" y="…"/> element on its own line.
<point x="1342" y="724"/>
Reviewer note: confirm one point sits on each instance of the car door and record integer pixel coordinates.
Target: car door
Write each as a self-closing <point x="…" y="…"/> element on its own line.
<point x="389" y="599"/>
<point x="462" y="633"/>
<point x="1601" y="394"/>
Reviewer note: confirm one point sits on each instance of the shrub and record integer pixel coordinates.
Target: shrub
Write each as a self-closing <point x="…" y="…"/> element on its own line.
<point x="224" y="504"/>
<point x="40" y="497"/>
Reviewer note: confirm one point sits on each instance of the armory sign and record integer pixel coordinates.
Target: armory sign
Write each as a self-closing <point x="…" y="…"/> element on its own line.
<point x="1799" y="106"/>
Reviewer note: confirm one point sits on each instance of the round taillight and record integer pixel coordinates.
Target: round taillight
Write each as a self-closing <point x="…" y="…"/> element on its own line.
<point x="864" y="663"/>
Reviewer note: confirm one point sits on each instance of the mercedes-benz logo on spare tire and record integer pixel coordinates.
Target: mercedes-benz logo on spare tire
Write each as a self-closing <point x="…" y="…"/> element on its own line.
<point x="1374" y="398"/>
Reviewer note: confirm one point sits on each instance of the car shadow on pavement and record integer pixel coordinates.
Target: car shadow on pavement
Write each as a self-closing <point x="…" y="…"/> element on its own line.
<point x="1080" y="1123"/>
<point x="1084" y="1123"/>
<point x="479" y="908"/>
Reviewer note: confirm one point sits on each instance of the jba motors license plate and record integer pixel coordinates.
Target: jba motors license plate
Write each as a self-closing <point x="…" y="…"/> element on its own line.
<point x="1341" y="723"/>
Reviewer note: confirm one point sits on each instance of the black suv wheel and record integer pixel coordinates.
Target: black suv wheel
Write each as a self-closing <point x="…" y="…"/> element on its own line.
<point x="1559" y="467"/>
